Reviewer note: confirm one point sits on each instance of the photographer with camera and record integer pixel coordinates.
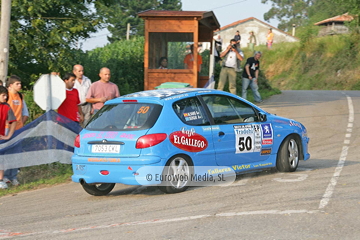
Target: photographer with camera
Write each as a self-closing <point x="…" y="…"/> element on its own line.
<point x="229" y="65"/>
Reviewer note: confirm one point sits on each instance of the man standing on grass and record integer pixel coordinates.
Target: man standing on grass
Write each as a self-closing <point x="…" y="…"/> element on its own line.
<point x="250" y="76"/>
<point x="70" y="107"/>
<point x="82" y="84"/>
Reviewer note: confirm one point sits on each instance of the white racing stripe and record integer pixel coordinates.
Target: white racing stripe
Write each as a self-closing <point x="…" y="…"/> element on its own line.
<point x="344" y="152"/>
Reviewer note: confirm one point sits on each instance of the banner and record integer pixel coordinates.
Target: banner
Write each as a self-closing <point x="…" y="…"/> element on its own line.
<point x="211" y="83"/>
<point x="47" y="139"/>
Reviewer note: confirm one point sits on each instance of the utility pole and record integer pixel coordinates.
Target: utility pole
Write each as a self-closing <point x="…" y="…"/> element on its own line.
<point x="4" y="38"/>
<point x="128" y="32"/>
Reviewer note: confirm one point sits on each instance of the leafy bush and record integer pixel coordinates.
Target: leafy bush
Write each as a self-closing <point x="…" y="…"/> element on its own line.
<point x="124" y="58"/>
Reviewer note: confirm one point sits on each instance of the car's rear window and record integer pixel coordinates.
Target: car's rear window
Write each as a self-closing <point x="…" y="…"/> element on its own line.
<point x="125" y="117"/>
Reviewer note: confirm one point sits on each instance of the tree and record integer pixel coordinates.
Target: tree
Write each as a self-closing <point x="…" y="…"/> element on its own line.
<point x="305" y="12"/>
<point x="119" y="13"/>
<point x="288" y="12"/>
<point x="44" y="34"/>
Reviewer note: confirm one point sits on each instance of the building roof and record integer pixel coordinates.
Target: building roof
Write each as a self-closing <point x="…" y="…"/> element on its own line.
<point x="182" y="14"/>
<point x="340" y="18"/>
<point x="251" y="19"/>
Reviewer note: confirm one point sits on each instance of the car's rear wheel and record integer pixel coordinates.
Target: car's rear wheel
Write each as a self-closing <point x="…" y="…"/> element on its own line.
<point x="288" y="155"/>
<point x="98" y="189"/>
<point x="177" y="174"/>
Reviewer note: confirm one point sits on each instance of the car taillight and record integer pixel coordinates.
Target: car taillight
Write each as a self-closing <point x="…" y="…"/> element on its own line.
<point x="150" y="140"/>
<point x="77" y="141"/>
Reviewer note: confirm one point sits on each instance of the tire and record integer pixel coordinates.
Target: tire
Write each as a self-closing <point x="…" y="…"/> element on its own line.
<point x="288" y="155"/>
<point x="181" y="166"/>
<point x="98" y="189"/>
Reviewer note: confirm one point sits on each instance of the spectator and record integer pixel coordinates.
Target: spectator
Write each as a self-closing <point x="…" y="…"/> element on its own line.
<point x="228" y="71"/>
<point x="102" y="90"/>
<point x="70" y="107"/>
<point x="252" y="41"/>
<point x="250" y="76"/>
<point x="163" y="63"/>
<point x="270" y="39"/>
<point x="237" y="38"/>
<point x="82" y="84"/>
<point x="189" y="59"/>
<point x="218" y="47"/>
<point x="18" y="105"/>
<point x="7" y="115"/>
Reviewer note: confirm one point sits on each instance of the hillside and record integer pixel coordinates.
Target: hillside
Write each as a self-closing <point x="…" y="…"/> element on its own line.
<point x="327" y="63"/>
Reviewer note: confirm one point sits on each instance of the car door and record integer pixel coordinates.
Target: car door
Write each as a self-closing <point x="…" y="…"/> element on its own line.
<point x="195" y="135"/>
<point x="237" y="133"/>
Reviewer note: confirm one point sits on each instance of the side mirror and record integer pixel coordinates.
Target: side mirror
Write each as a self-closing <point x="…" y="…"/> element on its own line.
<point x="262" y="117"/>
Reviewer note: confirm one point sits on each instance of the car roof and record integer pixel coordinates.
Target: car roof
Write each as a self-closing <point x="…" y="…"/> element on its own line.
<point x="168" y="92"/>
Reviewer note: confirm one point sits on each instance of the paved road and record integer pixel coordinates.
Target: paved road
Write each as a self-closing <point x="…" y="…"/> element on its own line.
<point x="319" y="201"/>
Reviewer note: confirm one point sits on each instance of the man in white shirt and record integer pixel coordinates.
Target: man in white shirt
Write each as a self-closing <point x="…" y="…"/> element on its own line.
<point x="82" y="84"/>
<point x="228" y="71"/>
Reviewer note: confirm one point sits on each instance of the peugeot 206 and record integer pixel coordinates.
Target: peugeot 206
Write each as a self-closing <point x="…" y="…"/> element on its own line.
<point x="166" y="137"/>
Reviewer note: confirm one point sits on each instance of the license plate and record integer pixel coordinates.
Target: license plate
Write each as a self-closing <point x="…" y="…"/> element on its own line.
<point x="105" y="148"/>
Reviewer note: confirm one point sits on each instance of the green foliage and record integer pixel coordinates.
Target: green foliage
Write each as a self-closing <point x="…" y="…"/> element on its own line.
<point x="307" y="12"/>
<point x="34" y="110"/>
<point x="43" y="35"/>
<point x="119" y="13"/>
<point x="326" y="63"/>
<point x="288" y="12"/>
<point x="124" y="58"/>
<point x="176" y="55"/>
<point x="39" y="176"/>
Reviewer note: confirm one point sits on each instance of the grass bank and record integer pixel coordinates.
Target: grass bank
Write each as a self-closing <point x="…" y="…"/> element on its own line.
<point x="325" y="63"/>
<point x="41" y="176"/>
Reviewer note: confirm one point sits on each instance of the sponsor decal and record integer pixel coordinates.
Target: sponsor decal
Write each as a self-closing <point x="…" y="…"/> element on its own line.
<point x="267" y="134"/>
<point x="262" y="165"/>
<point x="188" y="140"/>
<point x="248" y="138"/>
<point x="293" y="123"/>
<point x="108" y="135"/>
<point x="265" y="151"/>
<point x="267" y="130"/>
<point x="209" y="128"/>
<point x="192" y="116"/>
<point x="267" y="141"/>
<point x="104" y="160"/>
<point x="241" y="167"/>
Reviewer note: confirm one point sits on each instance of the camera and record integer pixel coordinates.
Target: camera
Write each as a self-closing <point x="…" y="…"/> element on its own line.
<point x="233" y="45"/>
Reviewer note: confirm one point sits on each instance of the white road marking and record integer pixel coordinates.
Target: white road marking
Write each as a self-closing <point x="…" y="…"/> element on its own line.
<point x="9" y="234"/>
<point x="238" y="183"/>
<point x="301" y="177"/>
<point x="330" y="189"/>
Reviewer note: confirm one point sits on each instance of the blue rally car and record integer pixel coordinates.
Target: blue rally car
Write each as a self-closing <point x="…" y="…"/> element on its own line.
<point x="174" y="131"/>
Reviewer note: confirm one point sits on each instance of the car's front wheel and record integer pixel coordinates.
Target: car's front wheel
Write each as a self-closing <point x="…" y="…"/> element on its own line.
<point x="98" y="189"/>
<point x="177" y="175"/>
<point x="288" y="155"/>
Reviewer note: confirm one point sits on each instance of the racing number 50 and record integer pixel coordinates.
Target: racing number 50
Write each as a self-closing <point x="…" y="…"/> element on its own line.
<point x="143" y="109"/>
<point x="245" y="143"/>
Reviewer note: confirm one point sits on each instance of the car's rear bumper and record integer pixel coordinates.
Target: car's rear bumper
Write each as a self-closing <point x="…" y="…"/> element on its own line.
<point x="107" y="170"/>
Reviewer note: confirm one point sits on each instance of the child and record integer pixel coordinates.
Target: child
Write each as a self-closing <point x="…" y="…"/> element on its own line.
<point x="6" y="115"/>
<point x="18" y="106"/>
<point x="70" y="107"/>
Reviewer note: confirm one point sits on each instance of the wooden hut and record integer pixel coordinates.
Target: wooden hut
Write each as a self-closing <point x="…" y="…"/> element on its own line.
<point x="169" y="34"/>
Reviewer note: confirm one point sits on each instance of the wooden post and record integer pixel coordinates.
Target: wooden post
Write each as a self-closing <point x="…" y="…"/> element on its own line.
<point x="128" y="32"/>
<point x="4" y="38"/>
<point x="196" y="45"/>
